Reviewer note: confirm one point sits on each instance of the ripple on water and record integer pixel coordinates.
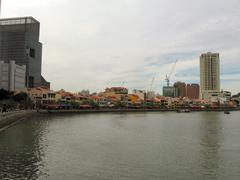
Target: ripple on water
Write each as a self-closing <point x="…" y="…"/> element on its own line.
<point x="123" y="146"/>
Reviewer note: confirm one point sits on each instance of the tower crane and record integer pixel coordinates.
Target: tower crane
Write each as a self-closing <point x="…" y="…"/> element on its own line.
<point x="153" y="79"/>
<point x="170" y="74"/>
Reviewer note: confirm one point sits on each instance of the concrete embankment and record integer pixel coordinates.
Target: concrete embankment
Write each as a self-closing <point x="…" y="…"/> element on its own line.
<point x="130" y="110"/>
<point x="9" y="119"/>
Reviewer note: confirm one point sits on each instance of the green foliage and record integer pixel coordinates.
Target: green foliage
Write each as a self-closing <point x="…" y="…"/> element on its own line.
<point x="20" y="100"/>
<point x="75" y="104"/>
<point x="207" y="106"/>
<point x="119" y="104"/>
<point x="26" y="104"/>
<point x="94" y="104"/>
<point x="20" y="97"/>
<point x="85" y="102"/>
<point x="5" y="94"/>
<point x="90" y="102"/>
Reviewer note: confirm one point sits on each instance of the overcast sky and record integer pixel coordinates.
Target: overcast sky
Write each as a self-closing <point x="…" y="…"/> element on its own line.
<point x="92" y="44"/>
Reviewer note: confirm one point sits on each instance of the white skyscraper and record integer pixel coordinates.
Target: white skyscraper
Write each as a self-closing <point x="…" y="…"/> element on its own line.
<point x="210" y="75"/>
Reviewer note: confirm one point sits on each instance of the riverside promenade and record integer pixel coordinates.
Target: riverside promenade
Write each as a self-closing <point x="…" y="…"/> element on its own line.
<point x="11" y="118"/>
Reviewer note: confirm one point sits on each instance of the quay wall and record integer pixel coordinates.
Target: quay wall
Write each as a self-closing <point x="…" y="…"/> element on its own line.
<point x="129" y="110"/>
<point x="11" y="118"/>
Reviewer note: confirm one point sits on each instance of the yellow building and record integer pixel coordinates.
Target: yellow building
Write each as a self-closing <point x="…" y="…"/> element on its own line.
<point x="120" y="93"/>
<point x="134" y="99"/>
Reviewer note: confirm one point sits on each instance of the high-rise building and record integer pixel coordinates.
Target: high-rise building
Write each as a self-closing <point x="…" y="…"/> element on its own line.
<point x="180" y="89"/>
<point x="168" y="91"/>
<point x="12" y="76"/>
<point x="19" y="41"/>
<point x="209" y="75"/>
<point x="192" y="91"/>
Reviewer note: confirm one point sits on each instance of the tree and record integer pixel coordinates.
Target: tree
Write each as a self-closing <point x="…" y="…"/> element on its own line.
<point x="20" y="97"/>
<point x="4" y="94"/>
<point x="94" y="104"/>
<point x="120" y="104"/>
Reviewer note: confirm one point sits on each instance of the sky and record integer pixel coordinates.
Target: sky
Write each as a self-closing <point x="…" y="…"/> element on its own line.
<point x="94" y="44"/>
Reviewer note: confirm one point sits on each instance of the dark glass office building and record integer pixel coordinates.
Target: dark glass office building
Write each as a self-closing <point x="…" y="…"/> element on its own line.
<point x="19" y="41"/>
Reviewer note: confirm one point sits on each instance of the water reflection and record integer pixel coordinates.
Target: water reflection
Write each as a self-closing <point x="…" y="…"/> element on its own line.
<point x="122" y="146"/>
<point x="211" y="139"/>
<point x="22" y="151"/>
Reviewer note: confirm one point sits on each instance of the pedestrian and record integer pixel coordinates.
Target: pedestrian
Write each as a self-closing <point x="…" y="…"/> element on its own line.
<point x="4" y="109"/>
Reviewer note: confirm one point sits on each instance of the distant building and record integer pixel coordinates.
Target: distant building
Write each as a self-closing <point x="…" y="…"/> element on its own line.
<point x="209" y="75"/>
<point x="85" y="92"/>
<point x="236" y="98"/>
<point x="140" y="93"/>
<point x="134" y="99"/>
<point x="168" y="91"/>
<point x="120" y="93"/>
<point x="12" y="76"/>
<point x="180" y="89"/>
<point x="226" y="94"/>
<point x="150" y="95"/>
<point x="42" y="95"/>
<point x="19" y="41"/>
<point x="192" y="91"/>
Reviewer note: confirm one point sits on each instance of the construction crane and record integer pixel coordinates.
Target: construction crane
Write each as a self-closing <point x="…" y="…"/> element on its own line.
<point x="153" y="79"/>
<point x="170" y="74"/>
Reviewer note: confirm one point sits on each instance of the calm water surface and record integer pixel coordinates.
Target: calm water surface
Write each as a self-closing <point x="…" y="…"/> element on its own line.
<point x="123" y="146"/>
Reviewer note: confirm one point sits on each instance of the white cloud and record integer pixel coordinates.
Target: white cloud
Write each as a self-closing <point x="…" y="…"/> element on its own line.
<point x="94" y="44"/>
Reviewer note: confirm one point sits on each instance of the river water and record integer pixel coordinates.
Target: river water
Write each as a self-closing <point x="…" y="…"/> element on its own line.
<point x="136" y="146"/>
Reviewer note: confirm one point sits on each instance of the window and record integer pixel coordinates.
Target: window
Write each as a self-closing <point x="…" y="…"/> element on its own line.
<point x="32" y="53"/>
<point x="31" y="82"/>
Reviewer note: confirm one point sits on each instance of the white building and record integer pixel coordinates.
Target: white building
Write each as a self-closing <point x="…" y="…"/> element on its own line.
<point x="210" y="75"/>
<point x="12" y="76"/>
<point x="151" y="94"/>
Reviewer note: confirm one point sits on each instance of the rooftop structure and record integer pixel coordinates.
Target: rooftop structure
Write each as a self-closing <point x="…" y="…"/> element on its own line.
<point x="18" y="20"/>
<point x="117" y="90"/>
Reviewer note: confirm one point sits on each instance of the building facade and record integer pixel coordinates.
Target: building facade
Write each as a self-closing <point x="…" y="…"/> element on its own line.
<point x="12" y="76"/>
<point x="168" y="91"/>
<point x="180" y="89"/>
<point x="120" y="93"/>
<point x="140" y="93"/>
<point x="19" y="41"/>
<point x="192" y="91"/>
<point x="209" y="75"/>
<point x="150" y="95"/>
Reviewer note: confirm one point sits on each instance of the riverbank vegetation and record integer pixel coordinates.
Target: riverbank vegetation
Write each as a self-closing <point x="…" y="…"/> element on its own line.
<point x="14" y="101"/>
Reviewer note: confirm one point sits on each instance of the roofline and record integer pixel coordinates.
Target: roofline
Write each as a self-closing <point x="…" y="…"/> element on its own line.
<point x="18" y="18"/>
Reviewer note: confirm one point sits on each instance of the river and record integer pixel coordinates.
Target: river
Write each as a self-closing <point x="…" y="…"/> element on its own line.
<point x="135" y="146"/>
